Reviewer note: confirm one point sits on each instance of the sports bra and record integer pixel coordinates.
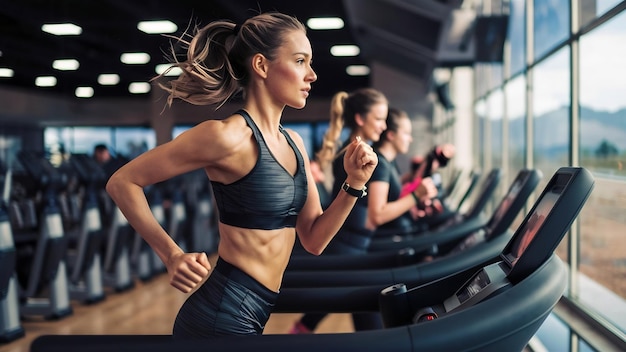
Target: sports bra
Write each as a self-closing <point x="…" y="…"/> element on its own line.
<point x="268" y="197"/>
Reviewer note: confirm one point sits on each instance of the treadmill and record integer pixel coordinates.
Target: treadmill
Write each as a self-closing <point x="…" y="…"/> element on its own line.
<point x="458" y="312"/>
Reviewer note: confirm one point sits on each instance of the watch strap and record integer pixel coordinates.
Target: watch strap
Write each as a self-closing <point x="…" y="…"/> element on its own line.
<point x="359" y="193"/>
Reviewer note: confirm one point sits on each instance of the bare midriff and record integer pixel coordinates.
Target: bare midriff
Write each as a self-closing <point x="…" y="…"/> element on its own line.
<point x="262" y="254"/>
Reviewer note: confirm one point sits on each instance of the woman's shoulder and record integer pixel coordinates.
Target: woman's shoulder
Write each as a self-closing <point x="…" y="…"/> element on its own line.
<point x="226" y="135"/>
<point x="231" y="127"/>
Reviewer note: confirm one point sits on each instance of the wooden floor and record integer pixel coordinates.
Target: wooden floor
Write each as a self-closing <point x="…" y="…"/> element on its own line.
<point x="148" y="308"/>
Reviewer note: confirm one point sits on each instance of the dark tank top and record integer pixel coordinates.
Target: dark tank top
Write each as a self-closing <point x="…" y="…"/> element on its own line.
<point x="268" y="197"/>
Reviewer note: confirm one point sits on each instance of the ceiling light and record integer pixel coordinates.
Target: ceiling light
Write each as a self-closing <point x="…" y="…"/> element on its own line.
<point x="175" y="71"/>
<point x="345" y="50"/>
<point x="157" y="27"/>
<point x="6" y="72"/>
<point x="62" y="29"/>
<point x="84" y="92"/>
<point x="325" y="23"/>
<point x="139" y="87"/>
<point x="358" y="70"/>
<point x="46" y="81"/>
<point x="135" y="58"/>
<point x="108" y="79"/>
<point x="66" y="64"/>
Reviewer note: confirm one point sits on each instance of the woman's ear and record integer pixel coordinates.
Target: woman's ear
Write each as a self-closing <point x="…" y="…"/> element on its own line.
<point x="259" y="65"/>
<point x="360" y="121"/>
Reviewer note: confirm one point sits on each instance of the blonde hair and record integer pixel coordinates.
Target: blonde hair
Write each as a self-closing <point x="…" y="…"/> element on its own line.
<point x="215" y="68"/>
<point x="343" y="110"/>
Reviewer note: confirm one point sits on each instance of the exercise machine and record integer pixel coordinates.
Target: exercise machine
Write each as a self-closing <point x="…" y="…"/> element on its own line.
<point x="84" y="261"/>
<point x="469" y="217"/>
<point x="10" y="326"/>
<point x="458" y="312"/>
<point x="472" y="245"/>
<point x="46" y="287"/>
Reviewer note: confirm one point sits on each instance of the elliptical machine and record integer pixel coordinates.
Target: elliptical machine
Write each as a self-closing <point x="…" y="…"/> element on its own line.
<point x="10" y="327"/>
<point x="46" y="288"/>
<point x="86" y="278"/>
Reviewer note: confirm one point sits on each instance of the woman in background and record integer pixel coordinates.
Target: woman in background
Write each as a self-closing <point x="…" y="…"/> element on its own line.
<point x="366" y="113"/>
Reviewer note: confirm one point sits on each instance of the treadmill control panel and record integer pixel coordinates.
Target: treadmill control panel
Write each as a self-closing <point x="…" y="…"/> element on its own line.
<point x="484" y="283"/>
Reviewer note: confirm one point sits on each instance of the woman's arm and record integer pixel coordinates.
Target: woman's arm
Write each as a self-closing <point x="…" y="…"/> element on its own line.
<point x="381" y="211"/>
<point x="201" y="146"/>
<point x="316" y="227"/>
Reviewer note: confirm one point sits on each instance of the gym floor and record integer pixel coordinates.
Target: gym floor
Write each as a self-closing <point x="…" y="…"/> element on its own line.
<point x="148" y="308"/>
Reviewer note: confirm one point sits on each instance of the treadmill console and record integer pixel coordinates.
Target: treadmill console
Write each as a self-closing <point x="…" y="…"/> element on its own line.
<point x="485" y="282"/>
<point x="531" y="245"/>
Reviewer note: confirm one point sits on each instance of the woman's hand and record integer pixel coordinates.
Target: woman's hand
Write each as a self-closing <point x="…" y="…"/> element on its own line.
<point x="426" y="190"/>
<point x="187" y="270"/>
<point x="359" y="161"/>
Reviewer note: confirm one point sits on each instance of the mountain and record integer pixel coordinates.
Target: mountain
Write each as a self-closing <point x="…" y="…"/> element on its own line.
<point x="552" y="129"/>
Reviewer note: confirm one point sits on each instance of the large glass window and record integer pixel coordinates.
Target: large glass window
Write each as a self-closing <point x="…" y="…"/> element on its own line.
<point x="551" y="24"/>
<point x="551" y="111"/>
<point x="130" y="142"/>
<point x="517" y="36"/>
<point x="592" y="9"/>
<point x="551" y="119"/>
<point x="603" y="151"/>
<point x="515" y="93"/>
<point x="496" y="111"/>
<point x="481" y="117"/>
<point x="124" y="141"/>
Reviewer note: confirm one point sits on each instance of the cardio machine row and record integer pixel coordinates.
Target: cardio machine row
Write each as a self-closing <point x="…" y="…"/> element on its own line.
<point x="63" y="240"/>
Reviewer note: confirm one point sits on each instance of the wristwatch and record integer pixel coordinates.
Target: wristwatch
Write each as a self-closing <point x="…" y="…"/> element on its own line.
<point x="359" y="193"/>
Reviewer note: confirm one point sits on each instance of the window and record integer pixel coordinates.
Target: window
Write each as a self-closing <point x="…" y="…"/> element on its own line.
<point x="551" y="24"/>
<point x="496" y="110"/>
<point x="515" y="92"/>
<point x="125" y="141"/>
<point x="551" y="120"/>
<point x="480" y="111"/>
<point x="603" y="151"/>
<point x="592" y="9"/>
<point x="517" y="36"/>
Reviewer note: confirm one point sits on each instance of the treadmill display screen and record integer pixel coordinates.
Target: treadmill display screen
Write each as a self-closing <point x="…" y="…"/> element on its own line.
<point x="524" y="235"/>
<point x="480" y="281"/>
<point x="507" y="201"/>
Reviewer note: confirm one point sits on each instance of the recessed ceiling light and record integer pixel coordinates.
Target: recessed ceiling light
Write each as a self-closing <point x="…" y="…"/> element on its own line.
<point x="62" y="29"/>
<point x="139" y="87"/>
<point x="108" y="79"/>
<point x="66" y="64"/>
<point x="6" y="72"/>
<point x="135" y="58"/>
<point x="84" y="92"/>
<point x="358" y="70"/>
<point x="325" y="23"/>
<point x="157" y="27"/>
<point x="345" y="50"/>
<point x="46" y="81"/>
<point x="175" y="71"/>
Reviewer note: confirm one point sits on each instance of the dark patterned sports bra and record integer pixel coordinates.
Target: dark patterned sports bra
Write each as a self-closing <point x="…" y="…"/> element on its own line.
<point x="268" y="197"/>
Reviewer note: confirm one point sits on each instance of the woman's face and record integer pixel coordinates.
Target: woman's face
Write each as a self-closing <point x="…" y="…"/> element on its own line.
<point x="402" y="137"/>
<point x="290" y="74"/>
<point x="373" y="123"/>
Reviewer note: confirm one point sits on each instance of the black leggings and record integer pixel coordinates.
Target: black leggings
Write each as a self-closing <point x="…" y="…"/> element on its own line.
<point x="230" y="302"/>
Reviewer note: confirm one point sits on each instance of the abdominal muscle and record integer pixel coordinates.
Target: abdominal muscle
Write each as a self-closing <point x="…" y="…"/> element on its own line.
<point x="262" y="254"/>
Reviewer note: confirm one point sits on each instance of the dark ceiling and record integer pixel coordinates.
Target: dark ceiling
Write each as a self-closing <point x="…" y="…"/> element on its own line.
<point x="400" y="33"/>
